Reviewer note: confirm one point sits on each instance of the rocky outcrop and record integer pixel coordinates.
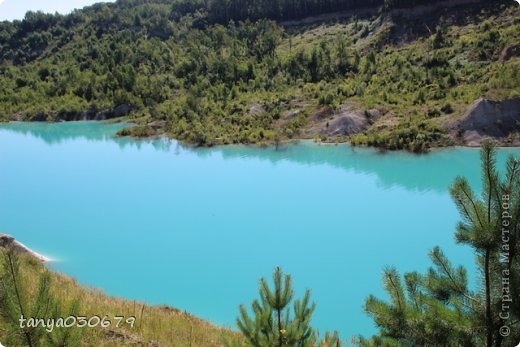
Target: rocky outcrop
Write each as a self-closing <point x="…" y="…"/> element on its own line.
<point x="256" y="110"/>
<point x="288" y="115"/>
<point x="487" y="120"/>
<point x="158" y="124"/>
<point x="345" y="121"/>
<point x="9" y="241"/>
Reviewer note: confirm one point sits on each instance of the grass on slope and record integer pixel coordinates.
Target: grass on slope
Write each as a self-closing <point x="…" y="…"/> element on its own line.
<point x="155" y="325"/>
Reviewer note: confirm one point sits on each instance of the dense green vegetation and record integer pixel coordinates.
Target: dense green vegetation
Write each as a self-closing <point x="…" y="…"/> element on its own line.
<point x="439" y="308"/>
<point x="255" y="81"/>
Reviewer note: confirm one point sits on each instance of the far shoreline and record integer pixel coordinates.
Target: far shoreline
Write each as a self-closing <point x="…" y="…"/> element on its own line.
<point x="294" y="141"/>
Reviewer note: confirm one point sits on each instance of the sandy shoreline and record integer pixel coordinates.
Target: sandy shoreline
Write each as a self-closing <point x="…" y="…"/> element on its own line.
<point x="6" y="240"/>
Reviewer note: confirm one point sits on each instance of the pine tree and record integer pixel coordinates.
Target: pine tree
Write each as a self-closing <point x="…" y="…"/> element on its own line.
<point x="17" y="300"/>
<point x="483" y="228"/>
<point x="440" y="36"/>
<point x="438" y="308"/>
<point x="271" y="324"/>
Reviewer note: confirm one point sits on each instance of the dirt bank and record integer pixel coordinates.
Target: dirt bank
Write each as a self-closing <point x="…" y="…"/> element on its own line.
<point x="498" y="121"/>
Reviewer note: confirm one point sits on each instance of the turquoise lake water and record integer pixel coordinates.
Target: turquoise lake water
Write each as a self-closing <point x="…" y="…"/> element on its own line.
<point x="197" y="228"/>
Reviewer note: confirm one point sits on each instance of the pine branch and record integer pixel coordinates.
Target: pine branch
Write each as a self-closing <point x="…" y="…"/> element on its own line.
<point x="439" y="258"/>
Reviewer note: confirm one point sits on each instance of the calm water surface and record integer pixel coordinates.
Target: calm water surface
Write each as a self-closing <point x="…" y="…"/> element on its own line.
<point x="196" y="228"/>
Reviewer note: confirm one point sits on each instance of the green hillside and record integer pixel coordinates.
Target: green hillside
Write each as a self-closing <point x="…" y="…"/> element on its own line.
<point x="383" y="74"/>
